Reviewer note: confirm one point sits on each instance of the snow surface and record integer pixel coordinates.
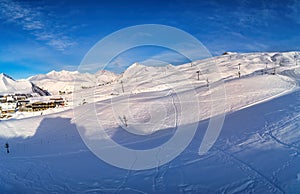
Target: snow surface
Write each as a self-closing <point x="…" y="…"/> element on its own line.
<point x="258" y="150"/>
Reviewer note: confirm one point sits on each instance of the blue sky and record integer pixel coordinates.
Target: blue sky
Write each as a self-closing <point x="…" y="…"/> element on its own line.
<point x="40" y="36"/>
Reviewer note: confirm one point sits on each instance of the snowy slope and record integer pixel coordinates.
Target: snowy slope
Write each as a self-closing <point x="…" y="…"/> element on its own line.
<point x="256" y="152"/>
<point x="64" y="80"/>
<point x="10" y="86"/>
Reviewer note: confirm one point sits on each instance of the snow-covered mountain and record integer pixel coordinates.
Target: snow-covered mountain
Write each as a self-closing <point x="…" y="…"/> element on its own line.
<point x="10" y="86"/>
<point x="257" y="150"/>
<point x="64" y="81"/>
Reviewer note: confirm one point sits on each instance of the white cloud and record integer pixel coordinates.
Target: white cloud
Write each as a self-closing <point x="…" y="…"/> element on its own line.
<point x="30" y="19"/>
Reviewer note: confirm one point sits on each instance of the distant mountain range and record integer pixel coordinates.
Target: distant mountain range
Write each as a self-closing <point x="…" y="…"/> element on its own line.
<point x="56" y="82"/>
<point x="64" y="81"/>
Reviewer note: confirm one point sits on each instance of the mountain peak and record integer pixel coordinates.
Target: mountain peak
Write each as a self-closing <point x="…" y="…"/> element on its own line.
<point x="10" y="86"/>
<point x="53" y="72"/>
<point x="136" y="64"/>
<point x="7" y="76"/>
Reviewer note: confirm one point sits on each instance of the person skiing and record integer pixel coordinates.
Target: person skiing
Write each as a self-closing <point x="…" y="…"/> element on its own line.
<point x="7" y="147"/>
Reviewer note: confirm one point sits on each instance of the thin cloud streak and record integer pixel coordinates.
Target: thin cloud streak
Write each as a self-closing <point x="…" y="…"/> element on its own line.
<point x="34" y="21"/>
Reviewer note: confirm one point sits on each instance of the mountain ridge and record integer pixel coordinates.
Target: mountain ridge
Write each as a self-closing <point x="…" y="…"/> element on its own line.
<point x="8" y="85"/>
<point x="55" y="81"/>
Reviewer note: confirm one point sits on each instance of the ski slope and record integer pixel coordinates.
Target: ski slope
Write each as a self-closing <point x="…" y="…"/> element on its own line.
<point x="258" y="150"/>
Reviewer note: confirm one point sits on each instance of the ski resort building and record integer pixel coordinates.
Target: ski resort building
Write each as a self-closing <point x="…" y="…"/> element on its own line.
<point x="21" y="102"/>
<point x="39" y="106"/>
<point x="58" y="101"/>
<point x="28" y="106"/>
<point x="8" y="104"/>
<point x="2" y="99"/>
<point x="8" y="107"/>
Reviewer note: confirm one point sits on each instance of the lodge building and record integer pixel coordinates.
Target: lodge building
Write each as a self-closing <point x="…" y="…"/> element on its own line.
<point x="14" y="103"/>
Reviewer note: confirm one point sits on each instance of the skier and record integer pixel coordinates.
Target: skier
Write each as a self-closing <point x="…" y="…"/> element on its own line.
<point x="7" y="147"/>
<point x="125" y="121"/>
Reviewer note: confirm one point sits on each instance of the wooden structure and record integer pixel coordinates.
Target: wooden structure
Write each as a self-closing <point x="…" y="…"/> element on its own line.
<point x="39" y="106"/>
